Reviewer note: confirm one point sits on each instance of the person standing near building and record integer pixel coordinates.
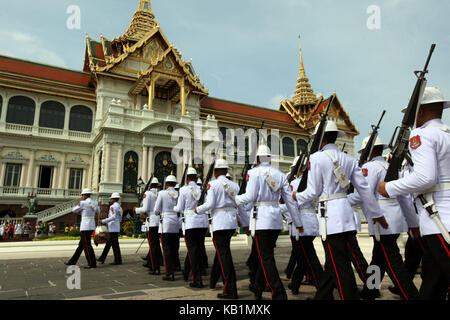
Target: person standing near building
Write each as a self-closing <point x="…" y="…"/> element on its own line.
<point x="154" y="255"/>
<point x="164" y="207"/>
<point x="220" y="201"/>
<point x="430" y="151"/>
<point x="113" y="221"/>
<point x="264" y="187"/>
<point x="88" y="209"/>
<point x="329" y="176"/>
<point x="195" y="228"/>
<point x="27" y="230"/>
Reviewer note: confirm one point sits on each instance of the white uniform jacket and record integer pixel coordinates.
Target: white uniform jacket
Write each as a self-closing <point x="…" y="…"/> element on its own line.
<point x="88" y="210"/>
<point x="259" y="193"/>
<point x="148" y="207"/>
<point x="307" y="213"/>
<point x="222" y="206"/>
<point x="398" y="212"/>
<point x="114" y="217"/>
<point x="321" y="182"/>
<point x="430" y="151"/>
<point x="165" y="204"/>
<point x="187" y="201"/>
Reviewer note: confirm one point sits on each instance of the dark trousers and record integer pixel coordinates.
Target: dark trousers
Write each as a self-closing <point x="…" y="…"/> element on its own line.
<point x="253" y="262"/>
<point x="356" y="256"/>
<point x="307" y="261"/>
<point x="170" y="242"/>
<point x="292" y="260"/>
<point x="338" y="269"/>
<point x="223" y="262"/>
<point x="203" y="254"/>
<point x="86" y="246"/>
<point x="114" y="243"/>
<point x="194" y="259"/>
<point x="413" y="255"/>
<point x="435" y="268"/>
<point x="267" y="273"/>
<point x="154" y="256"/>
<point x="386" y="255"/>
<point x="177" y="251"/>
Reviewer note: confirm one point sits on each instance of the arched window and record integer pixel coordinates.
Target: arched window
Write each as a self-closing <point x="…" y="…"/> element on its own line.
<point x="130" y="172"/>
<point x="302" y="146"/>
<point x="269" y="144"/>
<point x="288" y="147"/>
<point x="21" y="111"/>
<point x="164" y="166"/>
<point x="80" y="119"/>
<point x="52" y="115"/>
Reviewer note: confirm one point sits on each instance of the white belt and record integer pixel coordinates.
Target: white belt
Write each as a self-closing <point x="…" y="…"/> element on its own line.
<point x="307" y="211"/>
<point x="444" y="186"/>
<point x="152" y="213"/>
<point x="267" y="203"/>
<point x="189" y="211"/>
<point x="335" y="196"/>
<point x="386" y="201"/>
<point x="223" y="209"/>
<point x="89" y="217"/>
<point x="169" y="213"/>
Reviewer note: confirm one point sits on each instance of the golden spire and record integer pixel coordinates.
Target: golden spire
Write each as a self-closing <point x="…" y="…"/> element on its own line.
<point x="304" y="94"/>
<point x="143" y="22"/>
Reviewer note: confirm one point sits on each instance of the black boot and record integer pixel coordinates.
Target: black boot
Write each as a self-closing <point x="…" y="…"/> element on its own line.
<point x="169" y="277"/>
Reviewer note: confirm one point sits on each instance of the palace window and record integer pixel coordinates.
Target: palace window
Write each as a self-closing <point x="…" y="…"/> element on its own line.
<point x="80" y="119"/>
<point x="12" y="177"/>
<point x="52" y="115"/>
<point x="302" y="146"/>
<point x="75" y="179"/>
<point x="45" y="177"/>
<point x="130" y="172"/>
<point x="21" y="111"/>
<point x="288" y="147"/>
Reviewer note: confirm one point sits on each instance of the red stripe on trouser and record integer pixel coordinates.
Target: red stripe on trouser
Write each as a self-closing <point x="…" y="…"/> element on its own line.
<point x="164" y="254"/>
<point x="150" y="251"/>
<point x="114" y="244"/>
<point x="189" y="256"/>
<point x="395" y="277"/>
<point x="337" y="275"/>
<point x="443" y="244"/>
<point x="221" y="266"/>
<point x="86" y="248"/>
<point x="420" y="244"/>
<point x="262" y="265"/>
<point x="310" y="266"/>
<point x="357" y="264"/>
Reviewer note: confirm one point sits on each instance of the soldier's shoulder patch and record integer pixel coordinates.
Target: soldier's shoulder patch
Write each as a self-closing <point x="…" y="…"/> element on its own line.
<point x="247" y="177"/>
<point x="292" y="188"/>
<point x="415" y="142"/>
<point x="309" y="165"/>
<point x="208" y="187"/>
<point x="365" y="172"/>
<point x="145" y="196"/>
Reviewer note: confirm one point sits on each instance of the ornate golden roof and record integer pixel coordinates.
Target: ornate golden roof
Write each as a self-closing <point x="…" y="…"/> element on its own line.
<point x="304" y="94"/>
<point x="143" y="22"/>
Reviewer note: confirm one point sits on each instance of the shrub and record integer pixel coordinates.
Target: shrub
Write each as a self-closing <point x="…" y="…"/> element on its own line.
<point x="74" y="233"/>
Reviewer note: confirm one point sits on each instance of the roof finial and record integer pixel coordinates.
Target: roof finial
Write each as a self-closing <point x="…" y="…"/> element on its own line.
<point x="145" y="5"/>
<point x="302" y="68"/>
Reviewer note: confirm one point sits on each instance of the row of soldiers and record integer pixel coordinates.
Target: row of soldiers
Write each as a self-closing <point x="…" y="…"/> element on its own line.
<point x="389" y="208"/>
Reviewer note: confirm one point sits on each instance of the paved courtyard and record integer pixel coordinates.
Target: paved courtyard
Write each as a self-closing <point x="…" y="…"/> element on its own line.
<point x="37" y="271"/>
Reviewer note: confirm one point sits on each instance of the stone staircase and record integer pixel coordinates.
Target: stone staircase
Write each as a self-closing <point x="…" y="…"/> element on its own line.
<point x="57" y="211"/>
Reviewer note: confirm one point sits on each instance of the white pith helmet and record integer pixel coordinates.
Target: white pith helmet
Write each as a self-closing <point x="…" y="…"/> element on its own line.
<point x="378" y="142"/>
<point x="221" y="164"/>
<point x="115" y="195"/>
<point x="86" y="191"/>
<point x="171" y="178"/>
<point x="432" y="95"/>
<point x="191" y="171"/>
<point x="331" y="127"/>
<point x="263" y="151"/>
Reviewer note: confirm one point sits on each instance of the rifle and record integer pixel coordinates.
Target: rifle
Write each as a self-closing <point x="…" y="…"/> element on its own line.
<point x="207" y="179"/>
<point x="343" y="147"/>
<point x="141" y="195"/>
<point x="402" y="140"/>
<point x="183" y="179"/>
<point x="365" y="154"/>
<point x="247" y="167"/>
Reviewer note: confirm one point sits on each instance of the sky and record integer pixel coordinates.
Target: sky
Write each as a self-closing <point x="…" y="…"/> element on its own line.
<point x="248" y="50"/>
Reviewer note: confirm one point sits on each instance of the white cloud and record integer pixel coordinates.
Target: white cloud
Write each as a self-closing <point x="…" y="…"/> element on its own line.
<point x="274" y="102"/>
<point x="26" y="46"/>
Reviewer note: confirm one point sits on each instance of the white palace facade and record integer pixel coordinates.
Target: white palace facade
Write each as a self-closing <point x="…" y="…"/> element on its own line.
<point x="110" y="124"/>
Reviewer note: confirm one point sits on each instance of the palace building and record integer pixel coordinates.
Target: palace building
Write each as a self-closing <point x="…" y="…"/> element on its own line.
<point x="108" y="125"/>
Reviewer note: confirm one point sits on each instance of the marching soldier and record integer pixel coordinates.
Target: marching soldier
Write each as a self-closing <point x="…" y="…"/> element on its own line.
<point x="430" y="151"/>
<point x="154" y="255"/>
<point x="88" y="208"/>
<point x="194" y="228"/>
<point x="164" y="207"/>
<point x="400" y="216"/>
<point x="264" y="186"/>
<point x="114" y="219"/>
<point x="329" y="173"/>
<point x="220" y="202"/>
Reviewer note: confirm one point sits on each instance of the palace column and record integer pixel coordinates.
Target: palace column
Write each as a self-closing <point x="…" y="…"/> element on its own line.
<point x="62" y="172"/>
<point x="95" y="170"/>
<point x="119" y="164"/>
<point x="144" y="163"/>
<point x="151" y="94"/>
<point x="31" y="169"/>
<point x="85" y="175"/>
<point x="107" y="162"/>
<point x="150" y="162"/>
<point x="183" y="100"/>
<point x="3" y="173"/>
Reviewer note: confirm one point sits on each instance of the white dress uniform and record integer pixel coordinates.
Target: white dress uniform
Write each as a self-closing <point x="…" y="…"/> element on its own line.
<point x="399" y="212"/>
<point x="114" y="219"/>
<point x="148" y="206"/>
<point x="187" y="201"/>
<point x="308" y="214"/>
<point x="430" y="151"/>
<point x="88" y="210"/>
<point x="164" y="206"/>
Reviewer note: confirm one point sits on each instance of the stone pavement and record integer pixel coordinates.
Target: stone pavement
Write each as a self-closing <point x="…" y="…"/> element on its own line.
<point x="46" y="278"/>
